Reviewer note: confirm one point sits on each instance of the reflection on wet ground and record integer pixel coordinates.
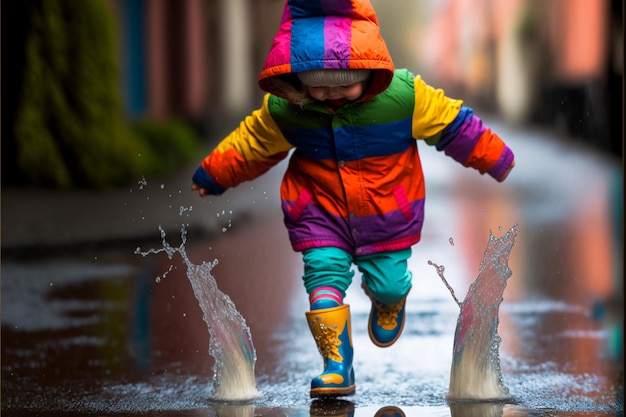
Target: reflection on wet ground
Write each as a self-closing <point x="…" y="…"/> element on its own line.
<point x="96" y="333"/>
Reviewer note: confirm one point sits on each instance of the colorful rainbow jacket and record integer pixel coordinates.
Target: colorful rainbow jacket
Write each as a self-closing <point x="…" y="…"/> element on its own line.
<point x="354" y="179"/>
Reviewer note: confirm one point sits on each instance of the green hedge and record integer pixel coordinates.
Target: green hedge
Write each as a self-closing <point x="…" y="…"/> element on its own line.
<point x="165" y="146"/>
<point x="70" y="128"/>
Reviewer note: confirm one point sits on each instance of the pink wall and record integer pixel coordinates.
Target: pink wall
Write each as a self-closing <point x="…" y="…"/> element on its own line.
<point x="573" y="33"/>
<point x="579" y="37"/>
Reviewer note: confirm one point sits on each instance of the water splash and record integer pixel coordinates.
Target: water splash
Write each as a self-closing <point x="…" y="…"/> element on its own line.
<point x="230" y="342"/>
<point x="475" y="372"/>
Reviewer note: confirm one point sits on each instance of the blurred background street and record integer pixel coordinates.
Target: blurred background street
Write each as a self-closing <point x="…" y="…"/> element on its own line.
<point x="98" y="152"/>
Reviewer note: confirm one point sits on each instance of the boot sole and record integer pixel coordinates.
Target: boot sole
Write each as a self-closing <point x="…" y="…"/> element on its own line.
<point x="333" y="392"/>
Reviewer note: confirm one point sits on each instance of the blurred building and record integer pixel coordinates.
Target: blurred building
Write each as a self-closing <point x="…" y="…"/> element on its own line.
<point x="558" y="62"/>
<point x="196" y="59"/>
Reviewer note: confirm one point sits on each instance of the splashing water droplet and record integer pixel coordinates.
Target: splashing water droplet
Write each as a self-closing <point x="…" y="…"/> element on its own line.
<point x="440" y="270"/>
<point x="475" y="373"/>
<point x="230" y="342"/>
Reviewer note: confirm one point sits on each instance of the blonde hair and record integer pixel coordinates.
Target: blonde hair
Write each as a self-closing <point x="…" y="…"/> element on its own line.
<point x="289" y="87"/>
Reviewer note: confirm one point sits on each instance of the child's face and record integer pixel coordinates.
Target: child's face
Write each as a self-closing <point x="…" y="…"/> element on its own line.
<point x="346" y="92"/>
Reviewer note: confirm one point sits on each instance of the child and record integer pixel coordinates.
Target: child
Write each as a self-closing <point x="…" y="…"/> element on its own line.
<point x="353" y="192"/>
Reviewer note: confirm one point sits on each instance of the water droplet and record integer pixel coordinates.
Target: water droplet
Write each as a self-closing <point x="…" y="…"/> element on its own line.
<point x="233" y="352"/>
<point x="451" y="241"/>
<point x="479" y="316"/>
<point x="162" y="186"/>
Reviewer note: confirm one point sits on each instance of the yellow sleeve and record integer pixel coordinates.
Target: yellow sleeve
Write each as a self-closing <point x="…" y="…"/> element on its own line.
<point x="248" y="151"/>
<point x="433" y="110"/>
<point x="257" y="136"/>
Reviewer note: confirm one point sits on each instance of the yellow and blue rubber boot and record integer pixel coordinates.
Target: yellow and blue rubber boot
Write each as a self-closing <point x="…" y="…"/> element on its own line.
<point x="332" y="332"/>
<point x="385" y="322"/>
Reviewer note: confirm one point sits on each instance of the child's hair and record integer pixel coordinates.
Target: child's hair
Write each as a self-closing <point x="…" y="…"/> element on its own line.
<point x="290" y="88"/>
<point x="293" y="86"/>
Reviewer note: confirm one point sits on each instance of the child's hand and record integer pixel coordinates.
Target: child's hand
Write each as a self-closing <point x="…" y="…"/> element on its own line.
<point x="202" y="192"/>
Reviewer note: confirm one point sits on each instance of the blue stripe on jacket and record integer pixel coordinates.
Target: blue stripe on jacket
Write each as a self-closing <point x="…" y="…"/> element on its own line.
<point x="351" y="143"/>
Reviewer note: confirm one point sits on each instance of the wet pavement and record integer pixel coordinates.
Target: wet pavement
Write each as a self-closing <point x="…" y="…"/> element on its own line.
<point x="90" y="328"/>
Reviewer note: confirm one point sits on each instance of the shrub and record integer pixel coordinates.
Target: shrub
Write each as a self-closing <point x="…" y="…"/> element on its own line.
<point x="70" y="128"/>
<point x="165" y="146"/>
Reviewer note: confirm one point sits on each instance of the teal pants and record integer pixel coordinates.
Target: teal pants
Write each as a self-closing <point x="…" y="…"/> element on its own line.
<point x="385" y="274"/>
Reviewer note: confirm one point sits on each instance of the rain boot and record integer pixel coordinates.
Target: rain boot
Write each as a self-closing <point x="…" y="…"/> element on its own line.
<point x="386" y="322"/>
<point x="331" y="330"/>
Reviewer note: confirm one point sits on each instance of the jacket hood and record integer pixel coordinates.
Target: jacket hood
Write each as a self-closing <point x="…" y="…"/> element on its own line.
<point x="326" y="34"/>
